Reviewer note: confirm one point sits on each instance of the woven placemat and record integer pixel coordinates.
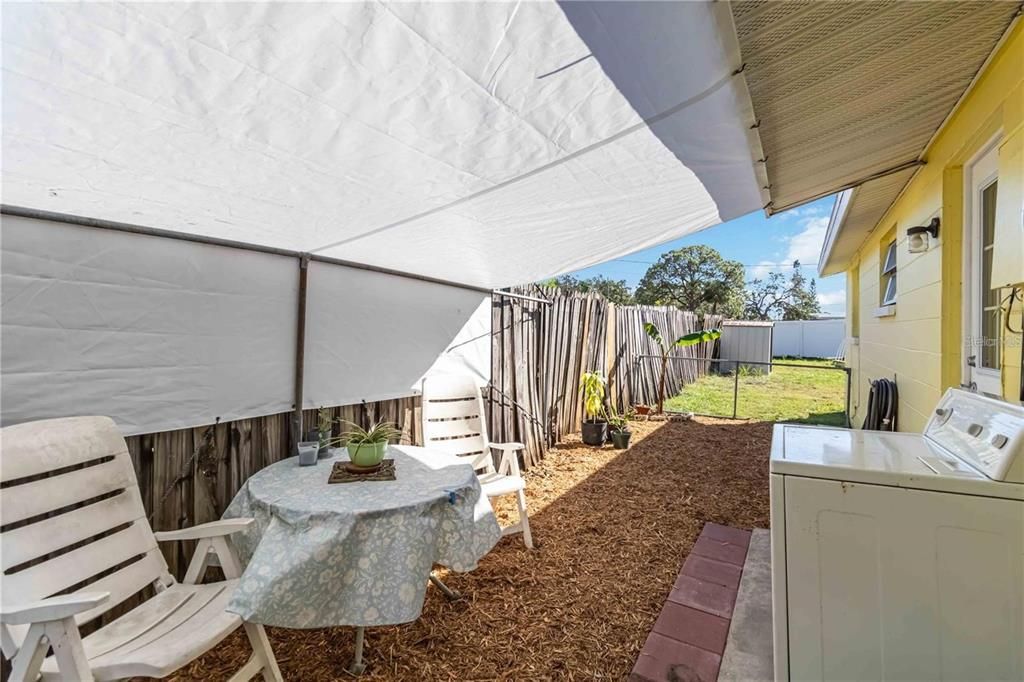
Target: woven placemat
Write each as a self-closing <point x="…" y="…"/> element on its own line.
<point x="339" y="474"/>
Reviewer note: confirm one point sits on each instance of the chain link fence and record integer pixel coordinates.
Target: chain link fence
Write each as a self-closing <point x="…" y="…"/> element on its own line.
<point x="805" y="391"/>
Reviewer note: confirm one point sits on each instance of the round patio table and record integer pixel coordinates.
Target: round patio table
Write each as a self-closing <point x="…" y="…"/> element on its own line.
<point x="360" y="553"/>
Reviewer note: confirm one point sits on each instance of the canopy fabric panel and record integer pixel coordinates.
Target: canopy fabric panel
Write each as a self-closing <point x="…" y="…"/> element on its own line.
<point x="470" y="351"/>
<point x="163" y="334"/>
<point x="372" y="336"/>
<point x="159" y="334"/>
<point x="849" y="91"/>
<point x="486" y="143"/>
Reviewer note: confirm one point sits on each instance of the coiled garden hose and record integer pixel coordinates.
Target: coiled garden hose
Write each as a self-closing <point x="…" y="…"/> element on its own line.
<point x="882" y="403"/>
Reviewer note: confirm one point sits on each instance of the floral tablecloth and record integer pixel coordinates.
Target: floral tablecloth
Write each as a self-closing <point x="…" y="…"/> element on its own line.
<point x="358" y="553"/>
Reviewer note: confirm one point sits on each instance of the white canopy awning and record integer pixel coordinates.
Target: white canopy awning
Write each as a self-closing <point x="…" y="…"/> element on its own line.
<point x="486" y="144"/>
<point x="482" y="144"/>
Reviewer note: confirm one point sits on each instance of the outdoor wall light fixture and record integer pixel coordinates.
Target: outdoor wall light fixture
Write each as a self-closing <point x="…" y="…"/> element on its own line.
<point x="918" y="237"/>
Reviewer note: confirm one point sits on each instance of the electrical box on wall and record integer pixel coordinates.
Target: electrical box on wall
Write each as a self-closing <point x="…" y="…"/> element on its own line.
<point x="1008" y="254"/>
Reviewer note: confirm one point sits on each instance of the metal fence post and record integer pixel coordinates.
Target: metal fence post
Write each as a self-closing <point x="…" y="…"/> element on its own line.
<point x="633" y="375"/>
<point x="735" y="386"/>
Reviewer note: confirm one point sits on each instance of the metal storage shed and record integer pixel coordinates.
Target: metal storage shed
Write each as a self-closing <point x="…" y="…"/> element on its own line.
<point x="746" y="341"/>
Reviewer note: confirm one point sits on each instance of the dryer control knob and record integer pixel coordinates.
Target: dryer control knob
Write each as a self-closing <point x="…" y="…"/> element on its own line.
<point x="999" y="440"/>
<point x="975" y="429"/>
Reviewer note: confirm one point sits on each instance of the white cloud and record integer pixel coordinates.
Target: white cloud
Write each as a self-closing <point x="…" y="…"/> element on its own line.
<point x="805" y="246"/>
<point x="814" y="211"/>
<point x="832" y="298"/>
<point x="761" y="270"/>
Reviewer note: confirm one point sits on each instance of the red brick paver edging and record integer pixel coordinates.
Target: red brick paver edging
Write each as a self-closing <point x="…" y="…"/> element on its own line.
<point x="689" y="636"/>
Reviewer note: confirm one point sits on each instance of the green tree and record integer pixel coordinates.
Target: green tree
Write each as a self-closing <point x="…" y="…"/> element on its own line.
<point x="803" y="297"/>
<point x="775" y="297"/>
<point x="765" y="298"/>
<point x="694" y="278"/>
<point x="615" y="290"/>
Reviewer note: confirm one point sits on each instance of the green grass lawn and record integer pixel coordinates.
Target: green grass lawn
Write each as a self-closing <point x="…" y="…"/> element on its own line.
<point x="788" y="394"/>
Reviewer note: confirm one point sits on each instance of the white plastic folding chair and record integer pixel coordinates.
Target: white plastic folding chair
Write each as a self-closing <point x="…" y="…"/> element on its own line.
<point x="454" y="421"/>
<point x="76" y="543"/>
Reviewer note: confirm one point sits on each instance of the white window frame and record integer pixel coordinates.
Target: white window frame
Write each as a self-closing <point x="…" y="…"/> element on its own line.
<point x="889" y="272"/>
<point x="980" y="172"/>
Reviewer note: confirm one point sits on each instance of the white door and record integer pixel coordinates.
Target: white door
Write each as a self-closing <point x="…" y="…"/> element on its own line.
<point x="981" y="303"/>
<point x="888" y="583"/>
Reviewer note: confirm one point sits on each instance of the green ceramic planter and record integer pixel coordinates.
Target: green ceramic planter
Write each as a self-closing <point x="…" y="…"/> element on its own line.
<point x="366" y="454"/>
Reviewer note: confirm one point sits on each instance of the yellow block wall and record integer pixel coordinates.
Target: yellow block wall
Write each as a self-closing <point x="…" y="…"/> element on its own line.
<point x="921" y="344"/>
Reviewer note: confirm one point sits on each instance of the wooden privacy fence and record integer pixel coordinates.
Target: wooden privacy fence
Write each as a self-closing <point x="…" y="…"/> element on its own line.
<point x="638" y="367"/>
<point x="537" y="355"/>
<point x="189" y="476"/>
<point x="539" y="352"/>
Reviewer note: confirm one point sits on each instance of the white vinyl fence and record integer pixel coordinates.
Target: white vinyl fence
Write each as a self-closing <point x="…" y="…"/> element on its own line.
<point x="809" y="338"/>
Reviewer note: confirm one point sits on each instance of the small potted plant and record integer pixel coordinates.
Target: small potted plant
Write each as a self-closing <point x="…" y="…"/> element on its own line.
<point x="366" y="447"/>
<point x="618" y="427"/>
<point x="324" y="424"/>
<point x="595" y="427"/>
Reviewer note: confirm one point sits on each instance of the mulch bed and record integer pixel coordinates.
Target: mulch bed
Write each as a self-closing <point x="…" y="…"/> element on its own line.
<point x="612" y="528"/>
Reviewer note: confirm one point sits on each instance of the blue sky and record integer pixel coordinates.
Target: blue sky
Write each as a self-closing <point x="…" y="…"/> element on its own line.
<point x="761" y="244"/>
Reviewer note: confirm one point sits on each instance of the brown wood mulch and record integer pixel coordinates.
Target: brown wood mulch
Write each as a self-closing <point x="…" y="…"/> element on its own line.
<point x="612" y="528"/>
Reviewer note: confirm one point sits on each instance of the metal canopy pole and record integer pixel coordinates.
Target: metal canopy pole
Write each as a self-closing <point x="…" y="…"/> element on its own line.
<point x="300" y="351"/>
<point x="520" y="297"/>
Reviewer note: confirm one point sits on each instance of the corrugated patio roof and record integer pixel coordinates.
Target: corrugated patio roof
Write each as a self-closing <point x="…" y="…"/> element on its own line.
<point x="850" y="94"/>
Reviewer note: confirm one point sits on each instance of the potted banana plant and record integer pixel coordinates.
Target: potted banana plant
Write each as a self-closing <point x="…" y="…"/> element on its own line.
<point x="595" y="427"/>
<point x="366" y="447"/>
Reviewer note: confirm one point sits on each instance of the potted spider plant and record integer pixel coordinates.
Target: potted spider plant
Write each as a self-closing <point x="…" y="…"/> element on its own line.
<point x="366" y="447"/>
<point x="595" y="427"/>
<point x="618" y="428"/>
